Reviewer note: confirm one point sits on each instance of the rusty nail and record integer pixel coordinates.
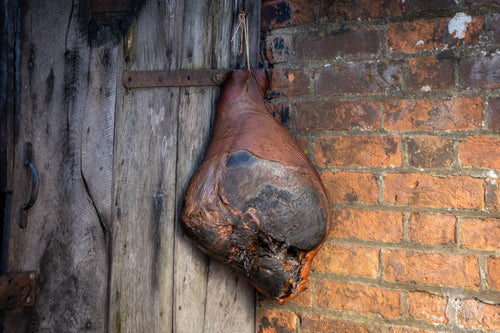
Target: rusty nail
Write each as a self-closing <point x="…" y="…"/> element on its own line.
<point x="218" y="77"/>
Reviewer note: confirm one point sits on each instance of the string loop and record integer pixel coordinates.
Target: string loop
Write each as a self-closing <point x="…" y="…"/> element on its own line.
<point x="243" y="28"/>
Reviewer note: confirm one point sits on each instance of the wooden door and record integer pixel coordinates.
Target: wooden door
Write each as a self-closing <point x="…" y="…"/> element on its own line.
<point x="113" y="164"/>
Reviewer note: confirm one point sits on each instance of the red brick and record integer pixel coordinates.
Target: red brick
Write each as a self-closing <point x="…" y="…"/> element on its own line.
<point x="347" y="260"/>
<point x="304" y="298"/>
<point x="481" y="151"/>
<point x="427" y="5"/>
<point x="492" y="195"/>
<point x="364" y="151"/>
<point x="433" y="114"/>
<point x="279" y="48"/>
<point x="481" y="234"/>
<point x="496" y="28"/>
<point x="481" y="72"/>
<point x="285" y="82"/>
<point x="338" y="115"/>
<point x="432" y="229"/>
<point x="332" y="11"/>
<point x="382" y="226"/>
<point x="350" y="187"/>
<point x="285" y="13"/>
<point x="310" y="323"/>
<point x="399" y="329"/>
<point x="430" y="73"/>
<point x="462" y="192"/>
<point x="433" y="268"/>
<point x="429" y="152"/>
<point x="280" y="111"/>
<point x="494" y="113"/>
<point x="275" y="321"/>
<point x="343" y="43"/>
<point x="477" y="314"/>
<point x="367" y="300"/>
<point x="428" y="307"/>
<point x="358" y="78"/>
<point x="422" y="35"/>
<point x="494" y="272"/>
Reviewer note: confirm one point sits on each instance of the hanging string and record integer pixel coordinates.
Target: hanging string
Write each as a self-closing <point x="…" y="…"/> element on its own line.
<point x="243" y="28"/>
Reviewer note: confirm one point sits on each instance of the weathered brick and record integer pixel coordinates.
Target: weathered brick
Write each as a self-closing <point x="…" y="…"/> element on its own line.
<point x="400" y="329"/>
<point x="428" y="307"/>
<point x="381" y="226"/>
<point x="285" y="13"/>
<point x="429" y="152"/>
<point x="310" y="323"/>
<point x="433" y="268"/>
<point x="275" y="321"/>
<point x="367" y="300"/>
<point x="427" y="5"/>
<point x="481" y="234"/>
<point x="358" y="78"/>
<point x="433" y="114"/>
<point x="462" y="192"/>
<point x="477" y="314"/>
<point x="364" y="151"/>
<point x="496" y="28"/>
<point x="279" y="48"/>
<point x="481" y="151"/>
<point x="350" y="187"/>
<point x="286" y="82"/>
<point x="481" y="72"/>
<point x="494" y="113"/>
<point x="422" y="35"/>
<point x="430" y="73"/>
<point x="338" y="115"/>
<point x="304" y="298"/>
<point x="281" y="111"/>
<point x="492" y="194"/>
<point x="432" y="229"/>
<point x="494" y="272"/>
<point x="347" y="260"/>
<point x="332" y="11"/>
<point x="342" y="43"/>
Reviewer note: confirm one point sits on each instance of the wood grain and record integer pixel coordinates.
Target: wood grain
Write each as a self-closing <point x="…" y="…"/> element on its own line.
<point x="64" y="240"/>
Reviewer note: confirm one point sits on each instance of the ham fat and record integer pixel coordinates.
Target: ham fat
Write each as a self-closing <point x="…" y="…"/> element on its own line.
<point x="256" y="202"/>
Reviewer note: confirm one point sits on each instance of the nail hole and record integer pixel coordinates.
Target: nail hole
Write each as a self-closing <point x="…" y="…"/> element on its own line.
<point x="129" y="79"/>
<point x="189" y="77"/>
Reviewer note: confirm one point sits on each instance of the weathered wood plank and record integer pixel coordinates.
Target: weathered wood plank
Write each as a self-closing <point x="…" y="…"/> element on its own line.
<point x="145" y="162"/>
<point x="64" y="240"/>
<point x="98" y="130"/>
<point x="205" y="289"/>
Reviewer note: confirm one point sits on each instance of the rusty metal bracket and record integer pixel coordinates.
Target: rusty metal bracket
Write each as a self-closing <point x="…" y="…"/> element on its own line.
<point x="174" y="78"/>
<point x="17" y="290"/>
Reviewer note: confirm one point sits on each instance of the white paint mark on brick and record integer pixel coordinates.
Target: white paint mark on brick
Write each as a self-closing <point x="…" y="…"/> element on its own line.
<point x="425" y="88"/>
<point x="420" y="42"/>
<point x="458" y="25"/>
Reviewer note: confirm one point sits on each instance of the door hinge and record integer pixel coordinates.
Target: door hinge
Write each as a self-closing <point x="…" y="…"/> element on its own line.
<point x="17" y="290"/>
<point x="174" y="78"/>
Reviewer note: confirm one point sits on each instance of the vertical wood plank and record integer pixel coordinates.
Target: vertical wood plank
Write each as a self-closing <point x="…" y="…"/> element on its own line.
<point x="217" y="297"/>
<point x="63" y="240"/>
<point x="145" y="162"/>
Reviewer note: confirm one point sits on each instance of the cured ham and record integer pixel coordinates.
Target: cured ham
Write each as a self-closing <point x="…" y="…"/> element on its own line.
<point x="256" y="202"/>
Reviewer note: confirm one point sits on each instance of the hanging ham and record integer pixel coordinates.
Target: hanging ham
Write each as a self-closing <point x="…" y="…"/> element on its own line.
<point x="256" y="202"/>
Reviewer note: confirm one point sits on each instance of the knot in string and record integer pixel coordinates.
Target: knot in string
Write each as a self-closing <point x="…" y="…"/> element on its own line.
<point x="243" y="28"/>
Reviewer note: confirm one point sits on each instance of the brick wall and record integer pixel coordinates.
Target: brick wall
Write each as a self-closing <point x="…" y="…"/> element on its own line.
<point x="397" y="103"/>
